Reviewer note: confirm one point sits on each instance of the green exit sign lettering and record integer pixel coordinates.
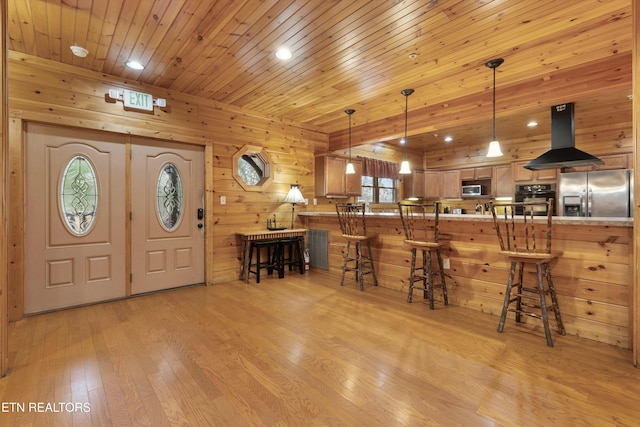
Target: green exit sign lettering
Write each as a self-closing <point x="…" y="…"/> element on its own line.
<point x="137" y="100"/>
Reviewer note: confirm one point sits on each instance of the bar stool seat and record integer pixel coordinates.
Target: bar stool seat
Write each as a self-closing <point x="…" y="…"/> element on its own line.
<point x="524" y="240"/>
<point x="353" y="228"/>
<point x="291" y="253"/>
<point x="422" y="234"/>
<point x="272" y="262"/>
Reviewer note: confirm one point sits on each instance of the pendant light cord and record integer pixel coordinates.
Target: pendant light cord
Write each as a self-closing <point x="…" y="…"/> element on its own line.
<point x="494" y="104"/>
<point x="406" y="120"/>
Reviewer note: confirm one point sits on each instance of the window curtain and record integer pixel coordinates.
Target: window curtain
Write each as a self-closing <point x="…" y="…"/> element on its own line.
<point x="379" y="168"/>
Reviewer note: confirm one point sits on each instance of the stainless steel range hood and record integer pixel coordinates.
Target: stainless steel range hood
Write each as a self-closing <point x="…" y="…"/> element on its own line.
<point x="563" y="152"/>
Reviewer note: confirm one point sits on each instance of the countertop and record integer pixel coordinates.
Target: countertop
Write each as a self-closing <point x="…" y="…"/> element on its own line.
<point x="568" y="220"/>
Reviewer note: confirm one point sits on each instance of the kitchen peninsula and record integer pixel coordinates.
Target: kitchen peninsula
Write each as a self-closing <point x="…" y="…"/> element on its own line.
<point x="592" y="278"/>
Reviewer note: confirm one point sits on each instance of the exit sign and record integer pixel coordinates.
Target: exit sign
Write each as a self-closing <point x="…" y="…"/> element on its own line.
<point x="137" y="100"/>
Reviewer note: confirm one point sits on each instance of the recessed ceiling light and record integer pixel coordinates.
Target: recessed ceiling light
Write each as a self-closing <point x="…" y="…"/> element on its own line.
<point x="283" y="53"/>
<point x="79" y="51"/>
<point x="532" y="124"/>
<point x="135" y="65"/>
<point x="448" y="138"/>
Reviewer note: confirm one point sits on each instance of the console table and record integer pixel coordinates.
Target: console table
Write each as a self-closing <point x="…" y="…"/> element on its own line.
<point x="248" y="236"/>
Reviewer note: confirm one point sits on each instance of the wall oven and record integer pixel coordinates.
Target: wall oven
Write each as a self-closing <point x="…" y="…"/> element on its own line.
<point x="535" y="193"/>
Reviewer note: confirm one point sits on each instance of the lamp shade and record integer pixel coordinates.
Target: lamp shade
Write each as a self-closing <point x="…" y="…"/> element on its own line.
<point x="350" y="169"/>
<point x="294" y="195"/>
<point x="404" y="168"/>
<point x="494" y="149"/>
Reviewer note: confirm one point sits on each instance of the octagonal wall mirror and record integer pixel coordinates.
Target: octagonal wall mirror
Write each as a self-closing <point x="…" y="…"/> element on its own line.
<point x="252" y="168"/>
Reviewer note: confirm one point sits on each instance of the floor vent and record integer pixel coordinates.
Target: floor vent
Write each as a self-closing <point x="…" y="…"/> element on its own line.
<point x="318" y="244"/>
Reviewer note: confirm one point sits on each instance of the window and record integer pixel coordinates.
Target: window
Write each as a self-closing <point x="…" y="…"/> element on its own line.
<point x="378" y="190"/>
<point x="251" y="168"/>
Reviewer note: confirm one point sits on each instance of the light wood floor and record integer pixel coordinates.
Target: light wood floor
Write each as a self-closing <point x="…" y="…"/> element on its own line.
<point x="302" y="351"/>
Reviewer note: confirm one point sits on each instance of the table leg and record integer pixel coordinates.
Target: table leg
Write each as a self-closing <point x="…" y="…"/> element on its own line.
<point x="244" y="268"/>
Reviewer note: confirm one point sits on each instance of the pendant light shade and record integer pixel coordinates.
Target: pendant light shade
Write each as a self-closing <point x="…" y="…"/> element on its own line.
<point x="494" y="145"/>
<point x="350" y="169"/>
<point x="404" y="166"/>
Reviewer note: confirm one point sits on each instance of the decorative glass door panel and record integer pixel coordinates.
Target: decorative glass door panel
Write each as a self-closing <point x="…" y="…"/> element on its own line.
<point x="75" y="233"/>
<point x="167" y="234"/>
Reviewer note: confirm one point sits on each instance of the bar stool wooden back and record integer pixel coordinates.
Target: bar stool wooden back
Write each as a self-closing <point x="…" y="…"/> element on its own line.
<point x="524" y="240"/>
<point x="354" y="230"/>
<point x="421" y="229"/>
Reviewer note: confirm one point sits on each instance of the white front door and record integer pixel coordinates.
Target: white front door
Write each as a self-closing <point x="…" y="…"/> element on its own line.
<point x="167" y="234"/>
<point x="75" y="217"/>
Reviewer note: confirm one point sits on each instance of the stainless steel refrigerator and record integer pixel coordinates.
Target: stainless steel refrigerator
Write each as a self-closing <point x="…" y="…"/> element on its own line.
<point x="599" y="193"/>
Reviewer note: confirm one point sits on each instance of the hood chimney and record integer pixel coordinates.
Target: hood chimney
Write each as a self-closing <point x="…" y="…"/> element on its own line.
<point x="563" y="152"/>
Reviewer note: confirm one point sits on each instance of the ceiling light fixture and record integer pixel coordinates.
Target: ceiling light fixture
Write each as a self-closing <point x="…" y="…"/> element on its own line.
<point x="135" y="65"/>
<point x="532" y="124"/>
<point x="494" y="145"/>
<point x="283" y="53"/>
<point x="404" y="166"/>
<point x="350" y="169"/>
<point x="79" y="51"/>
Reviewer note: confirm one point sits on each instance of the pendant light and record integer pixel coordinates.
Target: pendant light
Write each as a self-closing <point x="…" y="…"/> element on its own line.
<point x="350" y="169"/>
<point x="404" y="166"/>
<point x="494" y="145"/>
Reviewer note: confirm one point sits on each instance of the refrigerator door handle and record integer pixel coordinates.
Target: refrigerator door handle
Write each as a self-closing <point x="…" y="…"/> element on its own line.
<point x="589" y="202"/>
<point x="583" y="203"/>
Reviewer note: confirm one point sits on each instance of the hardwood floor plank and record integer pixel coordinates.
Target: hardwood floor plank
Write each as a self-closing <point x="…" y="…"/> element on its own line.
<point x="305" y="351"/>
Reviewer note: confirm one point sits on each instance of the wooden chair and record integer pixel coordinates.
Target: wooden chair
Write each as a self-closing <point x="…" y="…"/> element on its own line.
<point x="421" y="233"/>
<point x="352" y="225"/>
<point x="526" y="239"/>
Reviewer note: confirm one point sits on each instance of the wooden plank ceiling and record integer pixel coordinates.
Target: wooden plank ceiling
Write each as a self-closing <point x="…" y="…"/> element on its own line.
<point x="352" y="54"/>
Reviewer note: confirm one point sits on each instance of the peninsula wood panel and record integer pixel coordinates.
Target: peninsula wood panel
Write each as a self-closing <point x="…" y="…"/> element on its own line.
<point x="592" y="278"/>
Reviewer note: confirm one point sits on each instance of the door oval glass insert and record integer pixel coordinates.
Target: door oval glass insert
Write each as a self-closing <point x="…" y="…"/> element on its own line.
<point x="169" y="198"/>
<point x="79" y="195"/>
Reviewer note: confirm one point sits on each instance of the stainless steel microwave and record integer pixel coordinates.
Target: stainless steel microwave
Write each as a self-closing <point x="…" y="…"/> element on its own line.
<point x="471" y="190"/>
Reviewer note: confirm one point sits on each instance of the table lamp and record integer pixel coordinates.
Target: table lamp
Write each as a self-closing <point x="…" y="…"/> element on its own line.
<point x="294" y="196"/>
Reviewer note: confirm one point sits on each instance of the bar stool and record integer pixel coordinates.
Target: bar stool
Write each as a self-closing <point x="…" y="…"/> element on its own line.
<point x="421" y="233"/>
<point x="525" y="241"/>
<point x="353" y="228"/>
<point x="273" y="260"/>
<point x="291" y="253"/>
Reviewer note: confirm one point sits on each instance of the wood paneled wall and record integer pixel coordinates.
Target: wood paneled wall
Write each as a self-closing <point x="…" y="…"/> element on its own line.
<point x="4" y="155"/>
<point x="50" y="92"/>
<point x="594" y="295"/>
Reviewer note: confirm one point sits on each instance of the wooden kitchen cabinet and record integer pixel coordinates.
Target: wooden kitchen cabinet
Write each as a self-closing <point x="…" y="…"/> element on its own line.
<point x="470" y="174"/>
<point x="414" y="185"/>
<point x="331" y="179"/>
<point x="520" y="174"/>
<point x="502" y="184"/>
<point x="611" y="162"/>
<point x="433" y="184"/>
<point x="451" y="188"/>
<point x="353" y="184"/>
